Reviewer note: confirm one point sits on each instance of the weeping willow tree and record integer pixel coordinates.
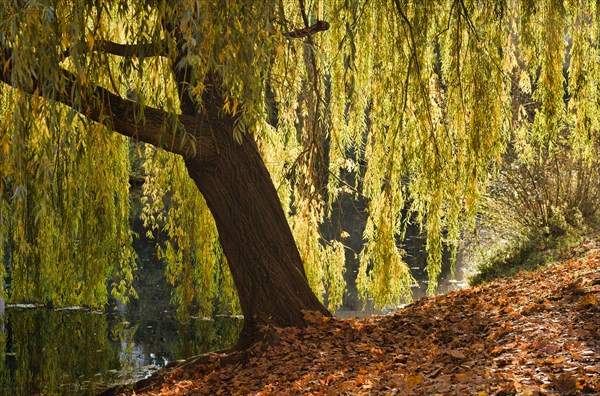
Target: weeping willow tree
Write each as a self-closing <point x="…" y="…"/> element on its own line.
<point x="267" y="105"/>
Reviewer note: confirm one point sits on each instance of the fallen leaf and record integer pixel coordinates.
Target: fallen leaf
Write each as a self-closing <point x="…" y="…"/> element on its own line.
<point x="555" y="360"/>
<point x="565" y="384"/>
<point x="586" y="301"/>
<point x="414" y="380"/>
<point x="455" y="353"/>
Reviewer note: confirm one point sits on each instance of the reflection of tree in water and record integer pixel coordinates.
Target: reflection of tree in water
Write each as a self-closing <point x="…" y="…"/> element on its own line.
<point x="3" y="351"/>
<point x="200" y="336"/>
<point x="123" y="333"/>
<point x="64" y="352"/>
<point x="54" y="352"/>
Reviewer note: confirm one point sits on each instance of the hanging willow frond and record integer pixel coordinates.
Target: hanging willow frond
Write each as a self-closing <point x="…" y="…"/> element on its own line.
<point x="411" y="103"/>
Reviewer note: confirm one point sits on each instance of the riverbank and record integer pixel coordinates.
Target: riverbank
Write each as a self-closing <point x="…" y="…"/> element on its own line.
<point x="533" y="333"/>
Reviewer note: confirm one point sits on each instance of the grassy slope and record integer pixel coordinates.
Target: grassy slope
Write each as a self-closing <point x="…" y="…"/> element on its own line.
<point x="529" y="255"/>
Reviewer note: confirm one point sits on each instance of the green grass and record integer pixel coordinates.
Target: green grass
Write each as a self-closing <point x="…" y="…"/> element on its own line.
<point x="527" y="255"/>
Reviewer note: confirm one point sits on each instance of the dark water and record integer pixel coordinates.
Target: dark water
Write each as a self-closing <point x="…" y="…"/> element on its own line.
<point x="78" y="352"/>
<point x="75" y="352"/>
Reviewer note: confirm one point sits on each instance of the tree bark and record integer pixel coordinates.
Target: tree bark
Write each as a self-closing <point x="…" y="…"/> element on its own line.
<point x="256" y="238"/>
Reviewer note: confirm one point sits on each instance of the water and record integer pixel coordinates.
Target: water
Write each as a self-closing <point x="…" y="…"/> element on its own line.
<point x="78" y="352"/>
<point x="82" y="352"/>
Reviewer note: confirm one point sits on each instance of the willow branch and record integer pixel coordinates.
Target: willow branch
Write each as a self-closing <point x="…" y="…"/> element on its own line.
<point x="303" y="12"/>
<point x="319" y="26"/>
<point x="180" y="134"/>
<point x="140" y="50"/>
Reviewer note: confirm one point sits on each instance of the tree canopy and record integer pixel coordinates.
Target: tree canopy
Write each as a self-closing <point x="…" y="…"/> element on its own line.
<point x="407" y="104"/>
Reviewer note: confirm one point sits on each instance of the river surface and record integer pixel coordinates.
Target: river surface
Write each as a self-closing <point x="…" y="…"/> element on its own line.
<point x="78" y="352"/>
<point x="72" y="351"/>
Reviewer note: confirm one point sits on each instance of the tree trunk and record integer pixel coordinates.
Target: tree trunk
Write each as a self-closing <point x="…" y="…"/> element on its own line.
<point x="256" y="238"/>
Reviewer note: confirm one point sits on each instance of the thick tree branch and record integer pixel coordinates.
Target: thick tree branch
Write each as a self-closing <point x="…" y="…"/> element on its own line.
<point x="319" y="26"/>
<point x="145" y="50"/>
<point x="127" y="50"/>
<point x="186" y="135"/>
<point x="140" y="50"/>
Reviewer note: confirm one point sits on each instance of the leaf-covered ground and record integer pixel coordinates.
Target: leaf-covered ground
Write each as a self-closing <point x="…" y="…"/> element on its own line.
<point x="532" y="334"/>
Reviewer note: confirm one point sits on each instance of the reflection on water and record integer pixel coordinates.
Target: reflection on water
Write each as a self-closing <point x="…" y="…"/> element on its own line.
<point x="75" y="352"/>
<point x="79" y="352"/>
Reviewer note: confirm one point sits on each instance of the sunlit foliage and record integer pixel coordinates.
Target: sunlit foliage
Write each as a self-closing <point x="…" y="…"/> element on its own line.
<point x="414" y="98"/>
<point x="65" y="207"/>
<point x="195" y="263"/>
